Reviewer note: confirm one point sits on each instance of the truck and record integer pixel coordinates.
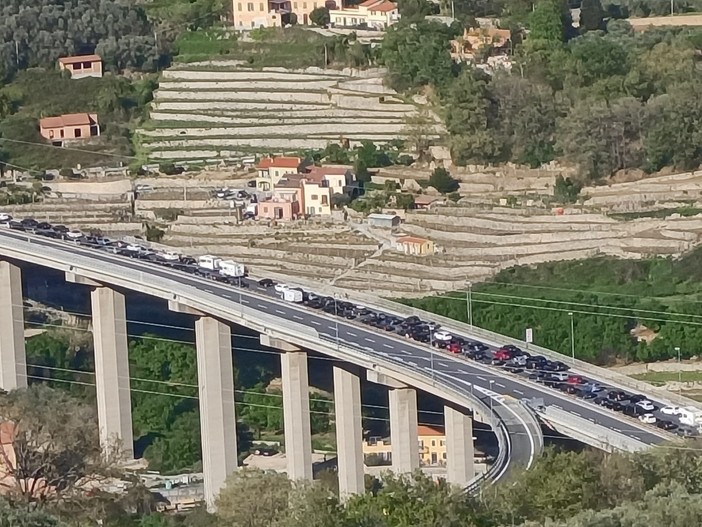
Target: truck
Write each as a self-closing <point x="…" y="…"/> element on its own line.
<point x="208" y="261"/>
<point x="292" y="295"/>
<point x="232" y="269"/>
<point x="691" y="416"/>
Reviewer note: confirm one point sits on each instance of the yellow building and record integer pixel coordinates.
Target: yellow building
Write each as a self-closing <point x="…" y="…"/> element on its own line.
<point x="414" y="246"/>
<point x="431" y="446"/>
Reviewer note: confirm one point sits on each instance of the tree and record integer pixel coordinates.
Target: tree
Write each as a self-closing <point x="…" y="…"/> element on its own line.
<point x="404" y="200"/>
<point x="417" y="55"/>
<point x="253" y="498"/>
<point x="419" y="129"/>
<point x="545" y="21"/>
<point x="442" y="181"/>
<point x="591" y="15"/>
<point x="55" y="444"/>
<point x="21" y="517"/>
<point x="566" y="190"/>
<point x="320" y="16"/>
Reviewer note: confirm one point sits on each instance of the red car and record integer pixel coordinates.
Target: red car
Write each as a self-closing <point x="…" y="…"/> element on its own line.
<point x="454" y="347"/>
<point x="575" y="379"/>
<point x="503" y="354"/>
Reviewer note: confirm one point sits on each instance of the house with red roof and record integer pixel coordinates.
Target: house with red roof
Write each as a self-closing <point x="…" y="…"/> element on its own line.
<point x="373" y="14"/>
<point x="82" y="66"/>
<point x="272" y="169"/>
<point x="415" y="246"/>
<point x="71" y="126"/>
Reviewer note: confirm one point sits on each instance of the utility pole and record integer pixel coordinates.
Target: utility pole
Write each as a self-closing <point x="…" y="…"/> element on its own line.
<point x="572" y="336"/>
<point x="469" y="303"/>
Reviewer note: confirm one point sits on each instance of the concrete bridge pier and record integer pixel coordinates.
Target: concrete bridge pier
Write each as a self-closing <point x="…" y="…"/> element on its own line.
<point x="296" y="408"/>
<point x="112" y="383"/>
<point x="13" y="359"/>
<point x="460" y="452"/>
<point x="349" y="431"/>
<point x="215" y="379"/>
<point x="404" y="441"/>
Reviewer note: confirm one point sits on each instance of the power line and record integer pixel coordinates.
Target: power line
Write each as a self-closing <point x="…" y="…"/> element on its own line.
<point x="70" y="149"/>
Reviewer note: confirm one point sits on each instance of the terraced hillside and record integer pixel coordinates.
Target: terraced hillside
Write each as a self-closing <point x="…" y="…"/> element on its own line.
<point x="223" y="110"/>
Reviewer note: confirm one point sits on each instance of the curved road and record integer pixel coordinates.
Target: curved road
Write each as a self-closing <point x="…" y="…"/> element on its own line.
<point x="457" y="372"/>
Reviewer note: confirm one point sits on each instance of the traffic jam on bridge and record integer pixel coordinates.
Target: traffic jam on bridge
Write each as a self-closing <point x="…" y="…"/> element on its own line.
<point x="509" y="358"/>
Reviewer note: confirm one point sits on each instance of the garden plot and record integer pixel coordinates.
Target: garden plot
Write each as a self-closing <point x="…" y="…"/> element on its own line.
<point x="220" y="111"/>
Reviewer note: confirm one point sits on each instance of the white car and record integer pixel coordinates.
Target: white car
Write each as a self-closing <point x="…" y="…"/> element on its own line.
<point x="670" y="410"/>
<point x="280" y="288"/>
<point x="443" y="336"/>
<point x="5" y="217"/>
<point x="170" y="256"/>
<point x="649" y="419"/>
<point x="646" y="405"/>
<point x="74" y="235"/>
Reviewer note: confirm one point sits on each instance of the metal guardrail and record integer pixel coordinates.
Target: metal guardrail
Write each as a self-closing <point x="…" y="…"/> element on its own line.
<point x="612" y="438"/>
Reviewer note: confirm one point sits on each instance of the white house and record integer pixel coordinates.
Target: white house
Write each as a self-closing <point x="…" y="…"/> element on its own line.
<point x="375" y="14"/>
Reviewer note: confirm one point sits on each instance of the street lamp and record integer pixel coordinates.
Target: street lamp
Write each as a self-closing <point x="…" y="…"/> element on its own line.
<point x="572" y="336"/>
<point x="431" y="353"/>
<point x="469" y="303"/>
<point x="677" y="349"/>
<point x="336" y="322"/>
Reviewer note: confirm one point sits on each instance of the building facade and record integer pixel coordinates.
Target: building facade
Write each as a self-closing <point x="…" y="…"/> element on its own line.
<point x="82" y="66"/>
<point x="340" y="179"/>
<point x="414" y="246"/>
<point x="480" y="40"/>
<point x="431" y="447"/>
<point x="316" y="197"/>
<point x="74" y="126"/>
<point x="374" y="14"/>
<point x="272" y="169"/>
<point x="272" y="13"/>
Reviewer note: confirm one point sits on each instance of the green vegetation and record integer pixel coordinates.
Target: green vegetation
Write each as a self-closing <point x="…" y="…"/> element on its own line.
<point x="604" y="100"/>
<point x="662" y="377"/>
<point x="563" y="489"/>
<point x="292" y="47"/>
<point x="35" y="33"/>
<point x="118" y="102"/>
<point x="165" y="411"/>
<point x="442" y="181"/>
<point x="608" y="298"/>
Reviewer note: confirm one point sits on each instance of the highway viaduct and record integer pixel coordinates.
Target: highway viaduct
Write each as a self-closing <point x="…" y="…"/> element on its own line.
<point x="468" y="390"/>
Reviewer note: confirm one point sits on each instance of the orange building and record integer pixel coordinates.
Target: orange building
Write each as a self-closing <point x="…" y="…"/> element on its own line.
<point x="476" y="39"/>
<point x="82" y="66"/>
<point x="69" y="127"/>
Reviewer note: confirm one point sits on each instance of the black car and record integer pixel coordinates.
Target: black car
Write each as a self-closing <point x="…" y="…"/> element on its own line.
<point x="666" y="425"/>
<point x="617" y="395"/>
<point x="29" y="223"/>
<point x="637" y="398"/>
<point x="16" y="225"/>
<point x="266" y="282"/>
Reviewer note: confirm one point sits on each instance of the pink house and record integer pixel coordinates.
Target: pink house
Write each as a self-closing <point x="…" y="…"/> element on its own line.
<point x="69" y="126"/>
<point x="287" y="202"/>
<point x="82" y="66"/>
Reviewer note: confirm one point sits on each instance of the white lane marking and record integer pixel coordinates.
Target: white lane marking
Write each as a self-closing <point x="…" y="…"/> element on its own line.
<point x="576" y="413"/>
<point x="519" y="392"/>
<point x="315" y="323"/>
<point x="351" y="333"/>
<point x="636" y="437"/>
<point x="389" y="346"/>
<point x="500" y="385"/>
<point x="297" y="317"/>
<point x="481" y="378"/>
<point x="209" y="290"/>
<point x="262" y="307"/>
<point x="226" y="295"/>
<point x="243" y="300"/>
<point x="280" y="312"/>
<point x="616" y="429"/>
<point x="369" y="340"/>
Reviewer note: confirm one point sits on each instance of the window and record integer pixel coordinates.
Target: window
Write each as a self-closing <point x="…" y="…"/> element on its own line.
<point x="77" y="132"/>
<point x="421" y="444"/>
<point x="304" y="5"/>
<point x="250" y="6"/>
<point x="324" y="200"/>
<point x="314" y="197"/>
<point x="261" y="6"/>
<point x="433" y="443"/>
<point x="294" y="5"/>
<point x="238" y="7"/>
<point x="87" y="65"/>
<point x="442" y="443"/>
<point x="443" y="455"/>
<point x="51" y="134"/>
<point x="61" y="132"/>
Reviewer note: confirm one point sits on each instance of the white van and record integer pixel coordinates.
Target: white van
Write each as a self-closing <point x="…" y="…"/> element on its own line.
<point x="292" y="295"/>
<point x="231" y="268"/>
<point x="691" y="416"/>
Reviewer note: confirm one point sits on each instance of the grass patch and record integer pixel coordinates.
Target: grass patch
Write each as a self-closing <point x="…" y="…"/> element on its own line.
<point x="292" y="47"/>
<point x="661" y="377"/>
